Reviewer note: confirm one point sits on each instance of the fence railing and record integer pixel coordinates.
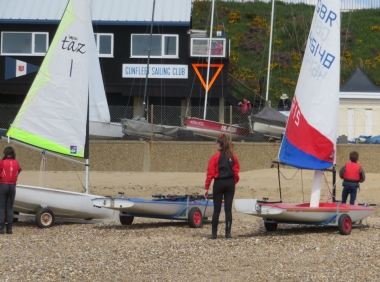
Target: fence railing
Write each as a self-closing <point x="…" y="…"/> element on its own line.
<point x="352" y="123"/>
<point x="128" y="125"/>
<point x="345" y="4"/>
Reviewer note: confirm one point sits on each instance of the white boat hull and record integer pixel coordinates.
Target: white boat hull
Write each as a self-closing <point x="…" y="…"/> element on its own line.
<point x="268" y="129"/>
<point x="147" y="130"/>
<point x="29" y="199"/>
<point x="143" y="207"/>
<point x="103" y="130"/>
<point x="300" y="213"/>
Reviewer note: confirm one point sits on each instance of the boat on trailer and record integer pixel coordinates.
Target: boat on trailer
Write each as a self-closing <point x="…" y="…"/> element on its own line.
<point x="192" y="208"/>
<point x="310" y="137"/>
<point x="62" y="92"/>
<point x="213" y="129"/>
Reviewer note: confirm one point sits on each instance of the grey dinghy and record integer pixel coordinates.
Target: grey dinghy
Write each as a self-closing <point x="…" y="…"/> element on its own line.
<point x="192" y="208"/>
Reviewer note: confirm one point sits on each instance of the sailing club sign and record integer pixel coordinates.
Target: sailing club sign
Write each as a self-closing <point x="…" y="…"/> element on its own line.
<point x="155" y="71"/>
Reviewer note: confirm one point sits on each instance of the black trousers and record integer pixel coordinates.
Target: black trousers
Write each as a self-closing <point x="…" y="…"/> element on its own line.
<point x="7" y="199"/>
<point x="223" y="188"/>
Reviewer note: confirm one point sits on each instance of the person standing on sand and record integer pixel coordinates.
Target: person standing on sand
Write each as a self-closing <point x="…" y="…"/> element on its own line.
<point x="352" y="173"/>
<point x="224" y="168"/>
<point x="9" y="171"/>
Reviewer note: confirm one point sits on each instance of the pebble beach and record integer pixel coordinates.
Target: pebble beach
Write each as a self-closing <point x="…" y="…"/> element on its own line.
<point x="167" y="250"/>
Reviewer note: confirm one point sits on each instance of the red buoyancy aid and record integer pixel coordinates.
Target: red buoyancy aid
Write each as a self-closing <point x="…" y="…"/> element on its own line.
<point x="352" y="171"/>
<point x="9" y="170"/>
<point x="245" y="106"/>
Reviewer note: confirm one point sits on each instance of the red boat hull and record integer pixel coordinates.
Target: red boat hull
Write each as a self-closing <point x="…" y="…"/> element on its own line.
<point x="214" y="129"/>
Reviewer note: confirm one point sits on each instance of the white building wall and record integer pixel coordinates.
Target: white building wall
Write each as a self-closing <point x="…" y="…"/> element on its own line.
<point x="359" y="117"/>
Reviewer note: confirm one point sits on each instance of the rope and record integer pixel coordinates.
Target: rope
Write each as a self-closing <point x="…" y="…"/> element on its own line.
<point x="327" y="185"/>
<point x="303" y="193"/>
<point x="291" y="177"/>
<point x="42" y="170"/>
<point x="83" y="186"/>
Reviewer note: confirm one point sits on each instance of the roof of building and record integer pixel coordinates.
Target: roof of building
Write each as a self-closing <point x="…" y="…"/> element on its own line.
<point x="111" y="12"/>
<point x="359" y="82"/>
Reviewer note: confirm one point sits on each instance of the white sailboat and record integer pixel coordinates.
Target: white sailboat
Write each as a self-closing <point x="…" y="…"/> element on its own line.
<point x="55" y="115"/>
<point x="310" y="137"/>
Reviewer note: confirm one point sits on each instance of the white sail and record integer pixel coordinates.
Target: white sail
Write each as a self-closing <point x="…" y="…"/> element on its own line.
<point x="312" y="127"/>
<point x="99" y="110"/>
<point x="54" y="113"/>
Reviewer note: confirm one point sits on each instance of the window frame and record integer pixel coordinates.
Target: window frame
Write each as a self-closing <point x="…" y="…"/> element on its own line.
<point x="223" y="55"/>
<point x="32" y="43"/>
<point x="176" y="56"/>
<point x="98" y="46"/>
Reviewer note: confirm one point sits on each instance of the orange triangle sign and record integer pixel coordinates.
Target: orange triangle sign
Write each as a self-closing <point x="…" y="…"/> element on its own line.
<point x="219" y="66"/>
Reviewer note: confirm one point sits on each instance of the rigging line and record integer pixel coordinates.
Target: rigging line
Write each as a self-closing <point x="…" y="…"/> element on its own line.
<point x="278" y="62"/>
<point x="42" y="170"/>
<point x="327" y="184"/>
<point x="292" y="176"/>
<point x="74" y="167"/>
<point x="345" y="38"/>
<point x="135" y="78"/>
<point x="191" y="90"/>
<point x="303" y="193"/>
<point x="295" y="29"/>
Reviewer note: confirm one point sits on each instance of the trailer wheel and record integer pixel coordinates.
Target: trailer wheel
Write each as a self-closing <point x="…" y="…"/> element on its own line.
<point x="345" y="224"/>
<point x="270" y="226"/>
<point x="45" y="218"/>
<point x="195" y="218"/>
<point x="126" y="219"/>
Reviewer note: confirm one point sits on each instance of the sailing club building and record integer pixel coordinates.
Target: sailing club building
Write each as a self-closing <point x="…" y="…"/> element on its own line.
<point x="178" y="57"/>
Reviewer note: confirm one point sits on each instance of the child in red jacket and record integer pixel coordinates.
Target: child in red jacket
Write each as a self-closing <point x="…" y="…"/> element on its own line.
<point x="352" y="173"/>
<point x="224" y="168"/>
<point x="9" y="171"/>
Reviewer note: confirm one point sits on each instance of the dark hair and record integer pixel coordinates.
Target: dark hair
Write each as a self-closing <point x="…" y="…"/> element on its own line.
<point x="9" y="153"/>
<point x="225" y="145"/>
<point x="354" y="156"/>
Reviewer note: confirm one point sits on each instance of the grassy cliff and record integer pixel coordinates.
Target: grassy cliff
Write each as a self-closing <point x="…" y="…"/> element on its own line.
<point x="248" y="27"/>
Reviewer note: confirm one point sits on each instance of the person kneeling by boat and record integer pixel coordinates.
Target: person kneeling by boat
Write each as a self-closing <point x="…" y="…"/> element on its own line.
<point x="9" y="171"/>
<point x="224" y="168"/>
<point x="352" y="173"/>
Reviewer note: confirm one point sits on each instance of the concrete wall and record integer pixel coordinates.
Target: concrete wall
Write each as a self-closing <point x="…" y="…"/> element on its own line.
<point x="177" y="156"/>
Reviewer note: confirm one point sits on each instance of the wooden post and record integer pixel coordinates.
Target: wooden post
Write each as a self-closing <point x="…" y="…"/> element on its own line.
<point x="151" y="122"/>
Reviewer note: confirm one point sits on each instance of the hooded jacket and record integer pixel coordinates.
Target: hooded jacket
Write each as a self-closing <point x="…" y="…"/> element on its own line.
<point x="220" y="167"/>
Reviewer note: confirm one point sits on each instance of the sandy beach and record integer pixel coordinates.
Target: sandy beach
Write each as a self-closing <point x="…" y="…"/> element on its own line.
<point x="161" y="250"/>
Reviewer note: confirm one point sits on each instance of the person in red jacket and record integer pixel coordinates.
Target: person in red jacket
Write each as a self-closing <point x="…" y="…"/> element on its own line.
<point x="223" y="168"/>
<point x="352" y="173"/>
<point x="9" y="171"/>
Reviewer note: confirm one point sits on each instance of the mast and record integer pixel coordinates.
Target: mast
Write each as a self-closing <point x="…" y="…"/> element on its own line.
<point x="208" y="58"/>
<point x="270" y="52"/>
<point x="87" y="144"/>
<point x="147" y="65"/>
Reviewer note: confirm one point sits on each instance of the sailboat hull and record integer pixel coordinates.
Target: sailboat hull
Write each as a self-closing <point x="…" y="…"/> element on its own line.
<point x="154" y="208"/>
<point x="65" y="204"/>
<point x="103" y="130"/>
<point x="301" y="213"/>
<point x="147" y="130"/>
<point x="213" y="129"/>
